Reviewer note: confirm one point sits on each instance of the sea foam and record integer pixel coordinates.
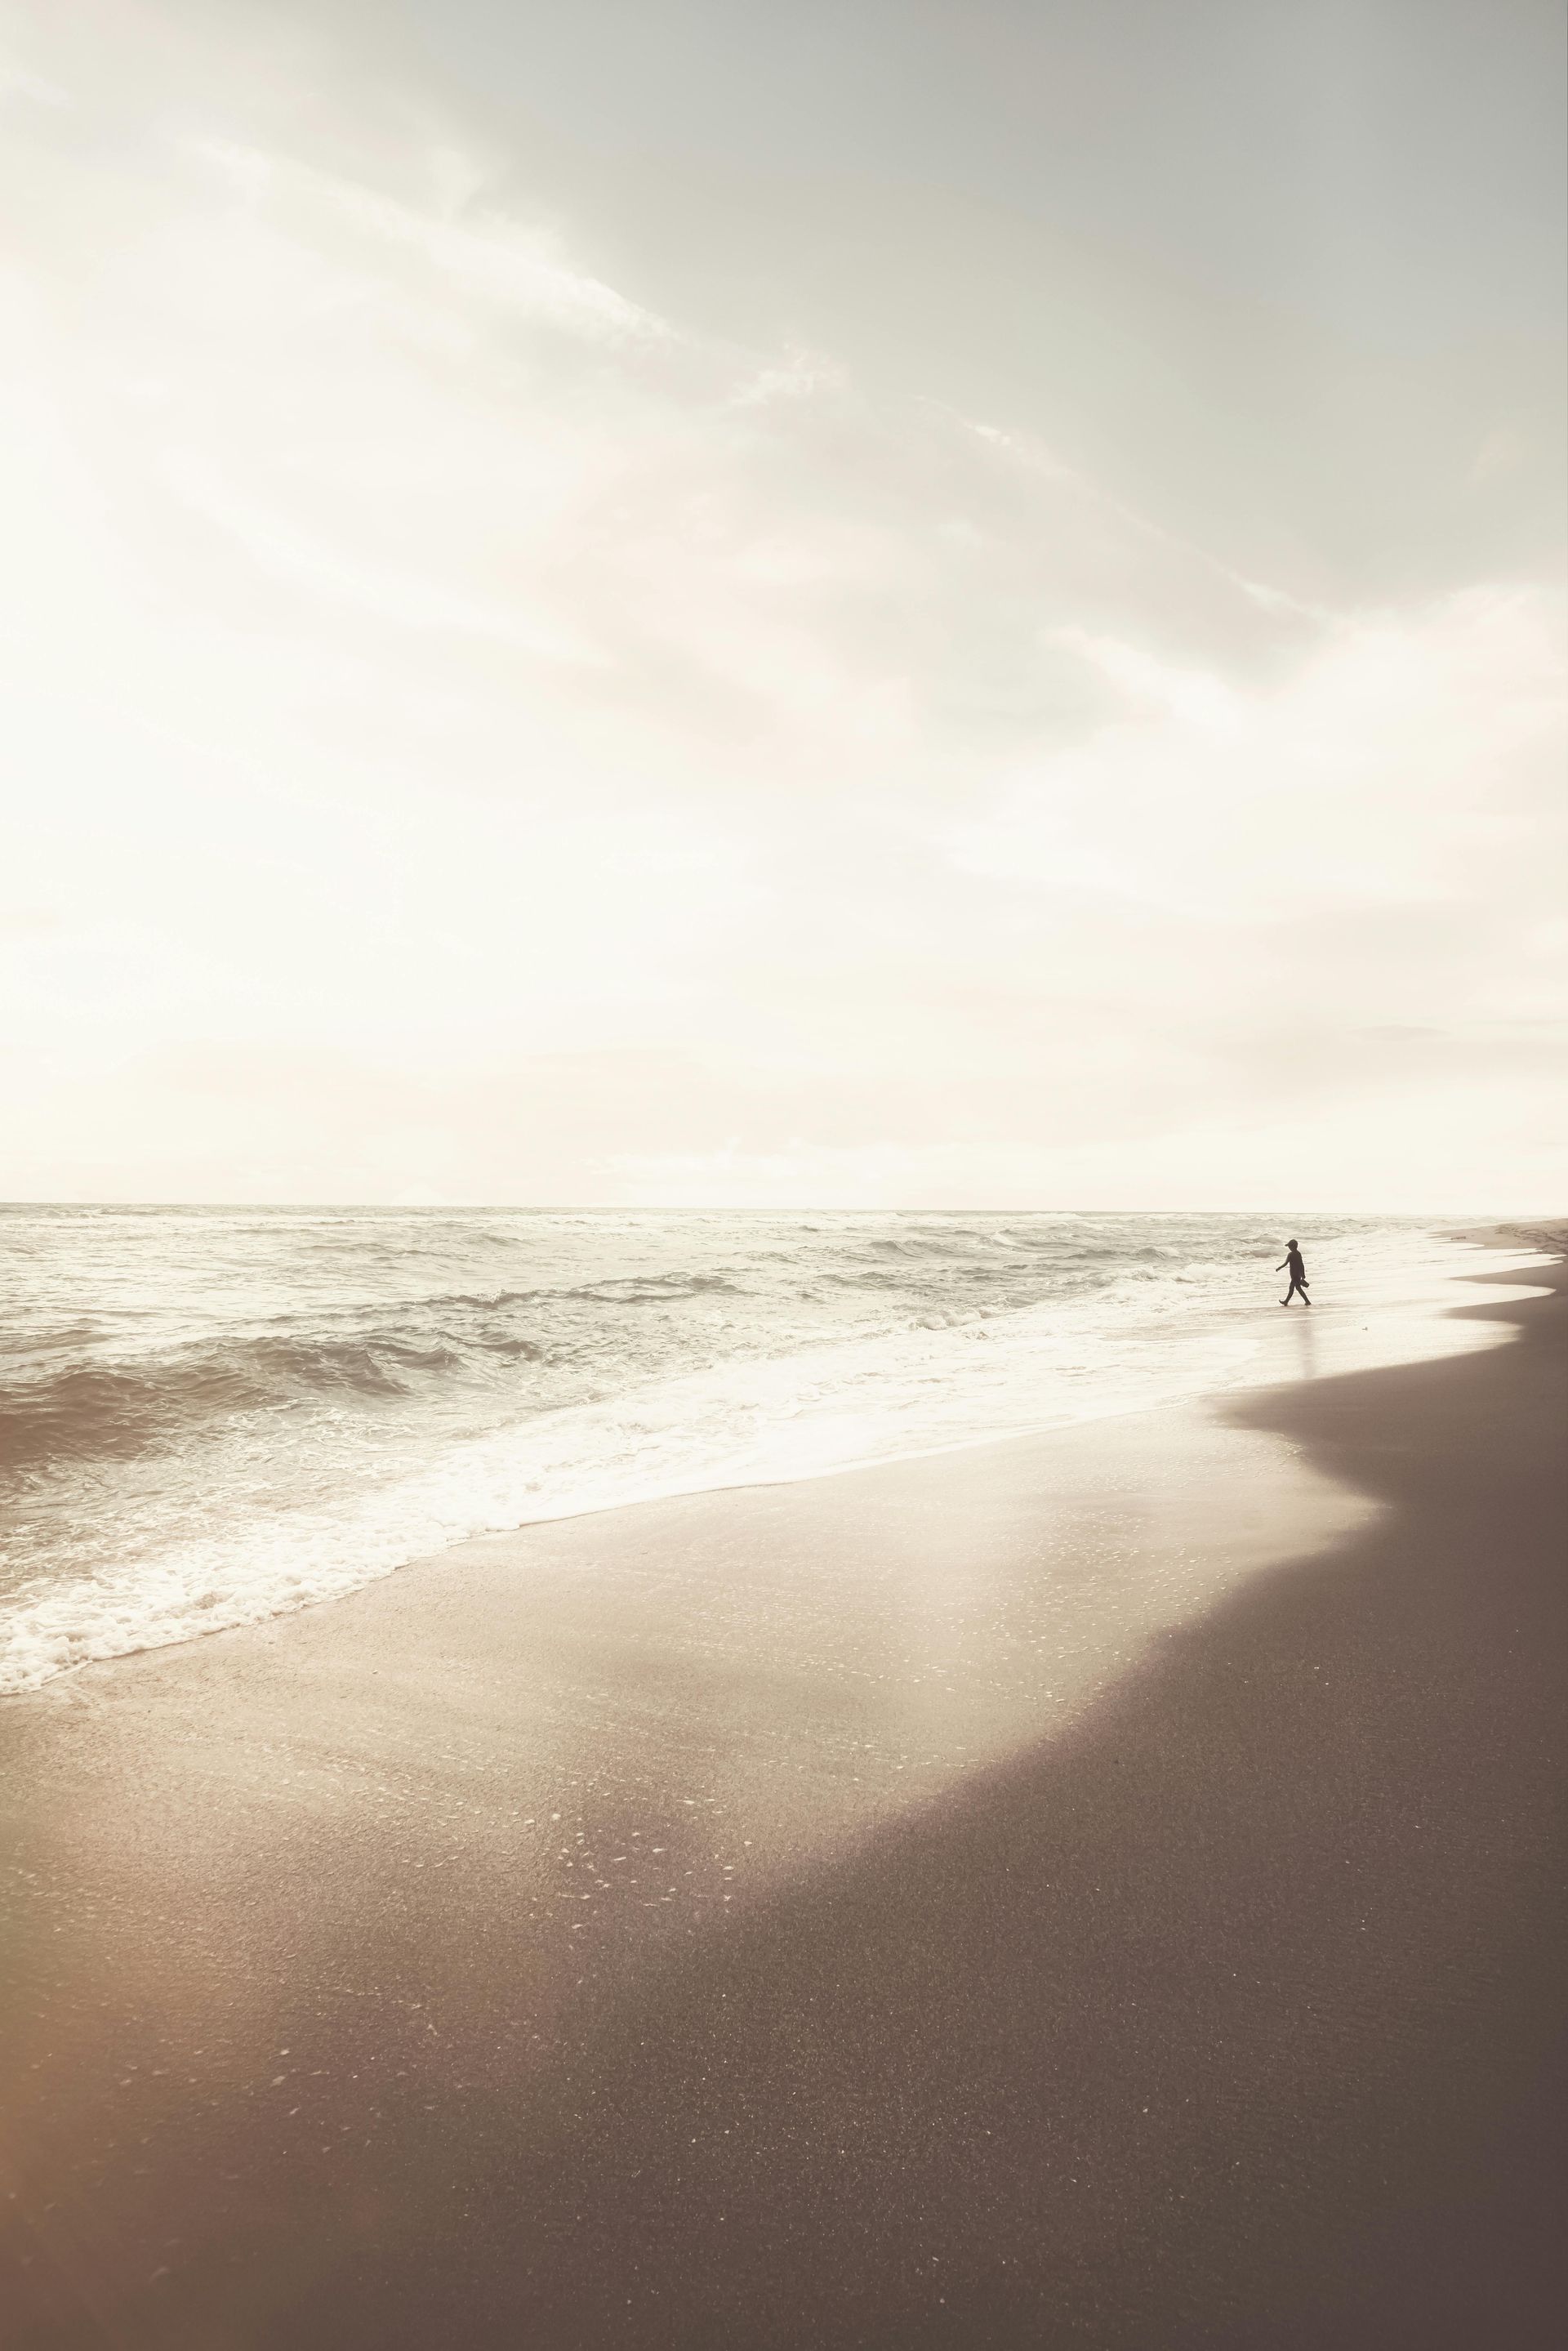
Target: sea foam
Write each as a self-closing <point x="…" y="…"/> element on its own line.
<point x="212" y="1418"/>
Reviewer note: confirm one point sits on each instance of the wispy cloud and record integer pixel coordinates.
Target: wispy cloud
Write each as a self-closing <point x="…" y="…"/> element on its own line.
<point x="410" y="600"/>
<point x="497" y="259"/>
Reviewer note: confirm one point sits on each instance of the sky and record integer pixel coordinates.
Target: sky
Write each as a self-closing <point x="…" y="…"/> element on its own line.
<point x="865" y="603"/>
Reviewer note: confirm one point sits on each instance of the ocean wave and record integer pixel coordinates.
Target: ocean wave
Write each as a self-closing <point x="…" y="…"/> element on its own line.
<point x="160" y="1402"/>
<point x="157" y="1399"/>
<point x="763" y="1420"/>
<point x="262" y="1409"/>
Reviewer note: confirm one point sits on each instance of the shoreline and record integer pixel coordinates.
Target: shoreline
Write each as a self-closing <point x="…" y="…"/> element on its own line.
<point x="1106" y="1886"/>
<point x="1379" y="1314"/>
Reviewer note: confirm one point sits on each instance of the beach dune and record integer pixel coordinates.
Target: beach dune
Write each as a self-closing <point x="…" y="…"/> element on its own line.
<point x="1101" y="1889"/>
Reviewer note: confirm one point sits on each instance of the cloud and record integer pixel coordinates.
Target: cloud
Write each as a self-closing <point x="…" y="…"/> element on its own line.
<point x="519" y="743"/>
<point x="1405" y="752"/>
<point x="17" y="82"/>
<point x="498" y="259"/>
<point x="411" y="601"/>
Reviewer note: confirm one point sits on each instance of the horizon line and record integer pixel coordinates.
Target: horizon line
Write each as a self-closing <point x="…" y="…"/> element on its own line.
<point x="711" y="1208"/>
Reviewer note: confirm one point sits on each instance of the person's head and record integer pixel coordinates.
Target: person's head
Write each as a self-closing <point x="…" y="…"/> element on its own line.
<point x="1290" y="1244"/>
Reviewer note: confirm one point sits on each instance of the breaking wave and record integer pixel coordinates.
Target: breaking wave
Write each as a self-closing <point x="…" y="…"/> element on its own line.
<point x="207" y="1417"/>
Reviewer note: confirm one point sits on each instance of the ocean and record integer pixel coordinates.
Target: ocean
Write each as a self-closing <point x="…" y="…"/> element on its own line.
<point x="213" y="1415"/>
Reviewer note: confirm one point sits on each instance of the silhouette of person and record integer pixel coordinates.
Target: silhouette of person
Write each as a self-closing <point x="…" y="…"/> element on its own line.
<point x="1293" y="1258"/>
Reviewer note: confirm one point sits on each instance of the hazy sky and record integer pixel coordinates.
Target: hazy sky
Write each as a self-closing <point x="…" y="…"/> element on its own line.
<point x="843" y="602"/>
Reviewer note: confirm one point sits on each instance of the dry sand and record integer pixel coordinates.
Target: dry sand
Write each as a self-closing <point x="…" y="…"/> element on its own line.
<point x="1104" y="1890"/>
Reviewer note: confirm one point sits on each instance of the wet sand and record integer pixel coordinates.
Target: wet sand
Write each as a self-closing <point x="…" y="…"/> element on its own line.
<point x="1106" y="1889"/>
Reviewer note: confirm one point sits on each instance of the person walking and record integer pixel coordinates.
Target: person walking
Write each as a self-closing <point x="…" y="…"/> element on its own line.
<point x="1293" y="1258"/>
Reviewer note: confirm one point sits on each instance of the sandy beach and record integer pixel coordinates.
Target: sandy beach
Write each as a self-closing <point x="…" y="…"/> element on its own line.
<point x="1105" y="1888"/>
